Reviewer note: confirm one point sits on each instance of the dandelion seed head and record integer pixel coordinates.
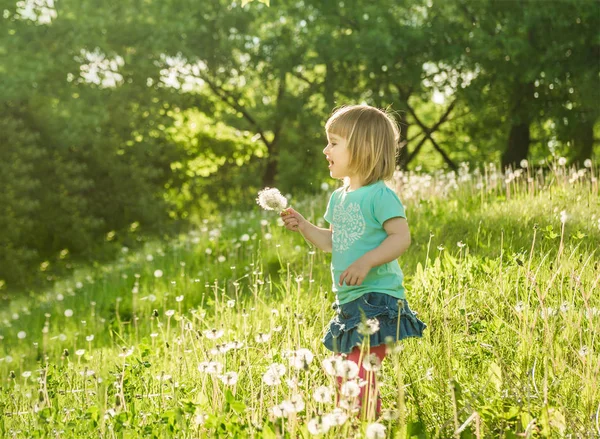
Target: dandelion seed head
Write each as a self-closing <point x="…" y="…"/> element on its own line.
<point x="323" y="395"/>
<point x="21" y="335"/>
<point x="375" y="431"/>
<point x="368" y="327"/>
<point x="562" y="161"/>
<point x="372" y="363"/>
<point x="350" y="389"/>
<point x="68" y="313"/>
<point x="318" y="425"/>
<point x="229" y="378"/>
<point x="158" y="274"/>
<point x="587" y="163"/>
<point x="337" y="417"/>
<point x="80" y="352"/>
<point x="271" y="199"/>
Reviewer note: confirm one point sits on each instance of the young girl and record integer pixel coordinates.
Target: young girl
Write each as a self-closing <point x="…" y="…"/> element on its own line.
<point x="368" y="232"/>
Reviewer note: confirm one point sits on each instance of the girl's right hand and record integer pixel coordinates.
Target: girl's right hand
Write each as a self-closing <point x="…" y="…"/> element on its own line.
<point x="292" y="220"/>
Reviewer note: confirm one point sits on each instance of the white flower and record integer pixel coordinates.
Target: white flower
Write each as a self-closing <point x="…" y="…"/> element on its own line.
<point x="179" y="298"/>
<point x="200" y="419"/>
<point x="319" y="425"/>
<point x="170" y="312"/>
<point x="323" y="394"/>
<point x="21" y="335"/>
<point x="563" y="216"/>
<point x="587" y="163"/>
<point x="294" y="405"/>
<point x="272" y="376"/>
<point x="208" y="251"/>
<point x="271" y="379"/>
<point x="230" y="303"/>
<point x="210" y="367"/>
<point x="347" y="369"/>
<point x="245" y="237"/>
<point x="158" y="273"/>
<point x="221" y="258"/>
<point x="524" y="163"/>
<point x="229" y="378"/>
<point x="562" y="161"/>
<point x="301" y="358"/>
<point x="389" y="414"/>
<point x="279" y="411"/>
<point x="372" y="362"/>
<point x="271" y="199"/>
<point x="149" y="258"/>
<point x="213" y="334"/>
<point x="324" y="186"/>
<point x="263" y="337"/>
<point x="330" y="364"/>
<point x="90" y="337"/>
<point x="368" y="327"/>
<point x="26" y="374"/>
<point x="80" y="352"/>
<point x="337" y="417"/>
<point x="350" y="389"/>
<point x="268" y="236"/>
<point x="376" y="431"/>
<point x="68" y="312"/>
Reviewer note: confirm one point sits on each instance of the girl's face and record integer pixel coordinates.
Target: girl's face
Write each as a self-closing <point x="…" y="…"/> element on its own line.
<point x="338" y="156"/>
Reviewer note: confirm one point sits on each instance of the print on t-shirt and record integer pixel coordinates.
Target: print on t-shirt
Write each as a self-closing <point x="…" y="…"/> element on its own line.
<point x="350" y="225"/>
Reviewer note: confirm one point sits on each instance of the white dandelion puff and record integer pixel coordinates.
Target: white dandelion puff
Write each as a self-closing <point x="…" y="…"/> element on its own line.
<point x="158" y="273"/>
<point x="323" y="394"/>
<point x="347" y="369"/>
<point x="375" y="431"/>
<point x="68" y="313"/>
<point x="337" y="417"/>
<point x="368" y="327"/>
<point x="301" y="358"/>
<point x="229" y="378"/>
<point x="350" y="389"/>
<point x="271" y="199"/>
<point x="318" y="425"/>
<point x="372" y="363"/>
<point x="562" y="161"/>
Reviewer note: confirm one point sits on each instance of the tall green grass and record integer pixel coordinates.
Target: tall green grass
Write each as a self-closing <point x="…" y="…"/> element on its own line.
<point x="176" y="340"/>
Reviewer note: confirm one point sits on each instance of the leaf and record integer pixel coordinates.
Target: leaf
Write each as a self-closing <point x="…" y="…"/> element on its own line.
<point x="495" y="375"/>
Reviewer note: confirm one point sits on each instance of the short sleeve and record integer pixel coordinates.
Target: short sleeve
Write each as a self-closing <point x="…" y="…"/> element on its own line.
<point x="329" y="212"/>
<point x="386" y="205"/>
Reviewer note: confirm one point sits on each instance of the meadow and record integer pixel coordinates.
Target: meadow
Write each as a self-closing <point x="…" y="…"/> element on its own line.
<point x="217" y="333"/>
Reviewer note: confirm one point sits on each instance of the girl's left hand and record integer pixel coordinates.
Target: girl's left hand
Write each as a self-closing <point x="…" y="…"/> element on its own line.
<point x="355" y="273"/>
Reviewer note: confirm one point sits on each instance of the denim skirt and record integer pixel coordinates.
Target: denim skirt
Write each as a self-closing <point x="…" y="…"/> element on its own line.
<point x="396" y="322"/>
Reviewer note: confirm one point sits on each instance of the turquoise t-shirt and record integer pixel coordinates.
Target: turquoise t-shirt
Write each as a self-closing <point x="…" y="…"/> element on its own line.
<point x="357" y="218"/>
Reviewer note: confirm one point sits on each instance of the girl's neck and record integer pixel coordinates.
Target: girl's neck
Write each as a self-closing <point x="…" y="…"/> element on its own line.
<point x="354" y="183"/>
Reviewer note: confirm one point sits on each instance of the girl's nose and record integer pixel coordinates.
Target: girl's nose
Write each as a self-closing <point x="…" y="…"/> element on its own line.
<point x="325" y="149"/>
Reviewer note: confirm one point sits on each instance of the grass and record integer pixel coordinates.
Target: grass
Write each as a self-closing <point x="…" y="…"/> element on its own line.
<point x="176" y="340"/>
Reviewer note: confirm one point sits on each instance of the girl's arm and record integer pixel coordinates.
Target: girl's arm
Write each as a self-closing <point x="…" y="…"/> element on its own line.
<point x="297" y="223"/>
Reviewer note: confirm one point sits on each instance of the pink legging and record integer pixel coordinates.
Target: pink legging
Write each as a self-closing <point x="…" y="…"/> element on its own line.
<point x="371" y="387"/>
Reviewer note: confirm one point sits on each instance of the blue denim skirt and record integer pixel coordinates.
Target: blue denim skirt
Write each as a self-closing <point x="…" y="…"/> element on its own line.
<point x="396" y="322"/>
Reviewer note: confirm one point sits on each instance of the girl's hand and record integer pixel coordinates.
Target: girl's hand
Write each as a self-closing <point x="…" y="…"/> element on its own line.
<point x="292" y="220"/>
<point x="356" y="272"/>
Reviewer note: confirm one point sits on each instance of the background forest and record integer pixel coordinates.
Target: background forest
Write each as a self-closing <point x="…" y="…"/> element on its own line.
<point x="124" y="120"/>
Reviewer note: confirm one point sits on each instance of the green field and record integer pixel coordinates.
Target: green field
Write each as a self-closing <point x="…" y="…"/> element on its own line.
<point x="176" y="340"/>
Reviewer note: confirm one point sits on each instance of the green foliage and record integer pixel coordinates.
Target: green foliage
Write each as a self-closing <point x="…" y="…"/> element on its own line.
<point x="122" y="121"/>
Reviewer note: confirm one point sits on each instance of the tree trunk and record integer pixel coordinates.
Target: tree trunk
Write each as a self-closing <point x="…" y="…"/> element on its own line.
<point x="270" y="172"/>
<point x="518" y="145"/>
<point x="583" y="140"/>
<point x="402" y="157"/>
<point x="519" y="136"/>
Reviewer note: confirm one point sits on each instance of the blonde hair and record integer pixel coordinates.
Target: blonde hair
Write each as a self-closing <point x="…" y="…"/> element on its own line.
<point x="371" y="137"/>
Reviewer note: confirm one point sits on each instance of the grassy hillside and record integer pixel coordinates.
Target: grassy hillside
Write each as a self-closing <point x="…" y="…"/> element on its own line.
<point x="178" y="340"/>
